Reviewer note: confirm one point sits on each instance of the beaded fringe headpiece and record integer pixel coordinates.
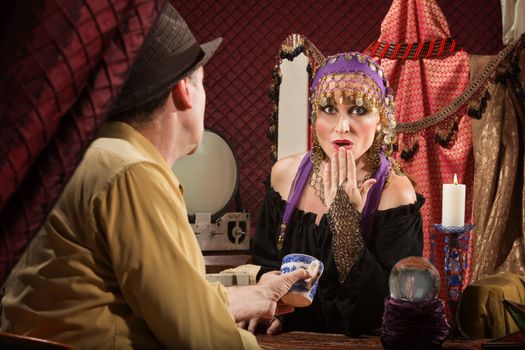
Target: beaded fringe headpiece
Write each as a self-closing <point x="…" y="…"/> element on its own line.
<point x="364" y="86"/>
<point x="353" y="78"/>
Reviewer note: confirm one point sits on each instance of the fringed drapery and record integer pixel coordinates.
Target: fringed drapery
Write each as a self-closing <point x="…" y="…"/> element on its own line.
<point x="499" y="151"/>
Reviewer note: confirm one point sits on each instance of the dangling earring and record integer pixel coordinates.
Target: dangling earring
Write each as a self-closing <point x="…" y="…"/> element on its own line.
<point x="373" y="152"/>
<point x="316" y="156"/>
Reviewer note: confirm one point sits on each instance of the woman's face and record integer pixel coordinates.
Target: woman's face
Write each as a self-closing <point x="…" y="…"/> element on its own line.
<point x="346" y="125"/>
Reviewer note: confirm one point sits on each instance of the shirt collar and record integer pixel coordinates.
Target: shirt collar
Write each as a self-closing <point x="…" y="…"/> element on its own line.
<point x="121" y="130"/>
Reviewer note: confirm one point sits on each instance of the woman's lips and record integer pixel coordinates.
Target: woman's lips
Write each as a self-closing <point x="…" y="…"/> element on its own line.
<point x="347" y="144"/>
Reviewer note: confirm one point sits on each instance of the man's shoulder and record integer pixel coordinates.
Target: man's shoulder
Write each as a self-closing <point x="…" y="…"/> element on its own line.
<point x="120" y="150"/>
<point x="109" y="159"/>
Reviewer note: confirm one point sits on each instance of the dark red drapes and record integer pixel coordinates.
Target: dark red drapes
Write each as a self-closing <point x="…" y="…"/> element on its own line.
<point x="62" y="63"/>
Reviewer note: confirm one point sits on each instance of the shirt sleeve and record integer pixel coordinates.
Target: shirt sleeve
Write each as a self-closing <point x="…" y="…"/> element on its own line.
<point x="158" y="263"/>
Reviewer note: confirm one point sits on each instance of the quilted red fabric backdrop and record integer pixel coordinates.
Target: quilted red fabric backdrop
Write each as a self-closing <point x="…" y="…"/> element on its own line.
<point x="238" y="78"/>
<point x="61" y="65"/>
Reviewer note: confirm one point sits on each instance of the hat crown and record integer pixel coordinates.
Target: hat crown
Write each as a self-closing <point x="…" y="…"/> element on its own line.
<point x="170" y="36"/>
<point x="169" y="53"/>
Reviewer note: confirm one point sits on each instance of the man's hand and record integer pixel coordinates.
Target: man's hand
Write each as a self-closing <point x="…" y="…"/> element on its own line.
<point x="270" y="326"/>
<point x="262" y="300"/>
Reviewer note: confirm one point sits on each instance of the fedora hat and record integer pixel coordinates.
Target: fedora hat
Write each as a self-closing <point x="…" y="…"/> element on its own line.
<point x="169" y="54"/>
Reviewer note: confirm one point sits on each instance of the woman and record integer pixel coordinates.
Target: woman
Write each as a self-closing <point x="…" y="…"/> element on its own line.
<point x="345" y="202"/>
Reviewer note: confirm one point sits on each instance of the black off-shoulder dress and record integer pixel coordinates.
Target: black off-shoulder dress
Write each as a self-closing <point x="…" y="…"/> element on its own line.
<point x="356" y="306"/>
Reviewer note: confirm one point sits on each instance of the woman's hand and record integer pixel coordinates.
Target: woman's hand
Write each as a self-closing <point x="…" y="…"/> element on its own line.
<point x="341" y="171"/>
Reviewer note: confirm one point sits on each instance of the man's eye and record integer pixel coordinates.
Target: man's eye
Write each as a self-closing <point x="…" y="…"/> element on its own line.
<point x="358" y="110"/>
<point x="328" y="109"/>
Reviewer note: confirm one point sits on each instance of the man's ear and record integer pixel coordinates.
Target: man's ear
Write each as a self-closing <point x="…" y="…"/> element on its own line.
<point x="180" y="93"/>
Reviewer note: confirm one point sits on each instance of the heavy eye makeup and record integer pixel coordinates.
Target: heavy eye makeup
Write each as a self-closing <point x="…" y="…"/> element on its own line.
<point x="330" y="109"/>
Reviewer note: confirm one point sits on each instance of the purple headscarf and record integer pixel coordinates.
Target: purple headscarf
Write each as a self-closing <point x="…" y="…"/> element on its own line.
<point x="349" y="62"/>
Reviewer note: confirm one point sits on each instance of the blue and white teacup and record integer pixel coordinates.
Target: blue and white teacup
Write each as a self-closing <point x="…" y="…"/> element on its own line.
<point x="302" y="292"/>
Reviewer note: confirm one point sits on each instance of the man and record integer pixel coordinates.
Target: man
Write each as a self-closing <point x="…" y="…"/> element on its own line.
<point x="117" y="265"/>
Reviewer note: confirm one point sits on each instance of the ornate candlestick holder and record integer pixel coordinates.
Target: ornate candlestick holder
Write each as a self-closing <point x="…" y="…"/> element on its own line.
<point x="456" y="241"/>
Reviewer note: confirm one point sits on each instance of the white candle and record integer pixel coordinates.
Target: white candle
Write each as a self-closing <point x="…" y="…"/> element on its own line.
<point x="453" y="205"/>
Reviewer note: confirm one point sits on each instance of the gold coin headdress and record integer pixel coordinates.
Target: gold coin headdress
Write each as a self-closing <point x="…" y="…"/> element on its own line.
<point x="354" y="78"/>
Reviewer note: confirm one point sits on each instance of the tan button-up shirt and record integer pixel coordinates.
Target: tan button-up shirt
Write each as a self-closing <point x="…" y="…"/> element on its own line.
<point x="117" y="265"/>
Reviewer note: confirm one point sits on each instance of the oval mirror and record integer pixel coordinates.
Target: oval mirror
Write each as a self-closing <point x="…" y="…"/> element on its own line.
<point x="210" y="176"/>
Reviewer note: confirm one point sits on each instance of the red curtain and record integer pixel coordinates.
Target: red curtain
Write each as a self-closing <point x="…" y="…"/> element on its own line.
<point x="62" y="63"/>
<point x="423" y="86"/>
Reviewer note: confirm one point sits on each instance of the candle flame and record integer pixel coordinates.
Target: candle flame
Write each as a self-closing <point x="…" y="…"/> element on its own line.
<point x="455" y="179"/>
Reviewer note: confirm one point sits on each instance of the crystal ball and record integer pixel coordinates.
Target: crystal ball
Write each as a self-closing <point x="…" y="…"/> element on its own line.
<point x="414" y="279"/>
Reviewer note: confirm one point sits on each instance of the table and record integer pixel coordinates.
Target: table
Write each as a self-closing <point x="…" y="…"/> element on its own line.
<point x="322" y="341"/>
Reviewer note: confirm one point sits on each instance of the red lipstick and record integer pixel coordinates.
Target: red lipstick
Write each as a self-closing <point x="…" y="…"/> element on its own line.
<point x="347" y="144"/>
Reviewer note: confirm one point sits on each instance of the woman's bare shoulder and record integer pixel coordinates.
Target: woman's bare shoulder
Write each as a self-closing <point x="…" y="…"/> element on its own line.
<point x="283" y="173"/>
<point x="399" y="191"/>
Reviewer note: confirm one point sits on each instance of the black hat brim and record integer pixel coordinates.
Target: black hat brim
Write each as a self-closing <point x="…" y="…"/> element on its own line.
<point x="209" y="49"/>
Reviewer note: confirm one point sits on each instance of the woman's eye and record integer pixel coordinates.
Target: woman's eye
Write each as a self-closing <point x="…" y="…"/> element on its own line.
<point x="328" y="109"/>
<point x="359" y="110"/>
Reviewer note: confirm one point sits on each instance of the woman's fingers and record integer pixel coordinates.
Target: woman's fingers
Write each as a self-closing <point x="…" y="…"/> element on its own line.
<point x="334" y="172"/>
<point x="350" y="173"/>
<point x="342" y="159"/>
<point x="365" y="188"/>
<point x="341" y="170"/>
<point x="367" y="185"/>
<point x="327" y="173"/>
